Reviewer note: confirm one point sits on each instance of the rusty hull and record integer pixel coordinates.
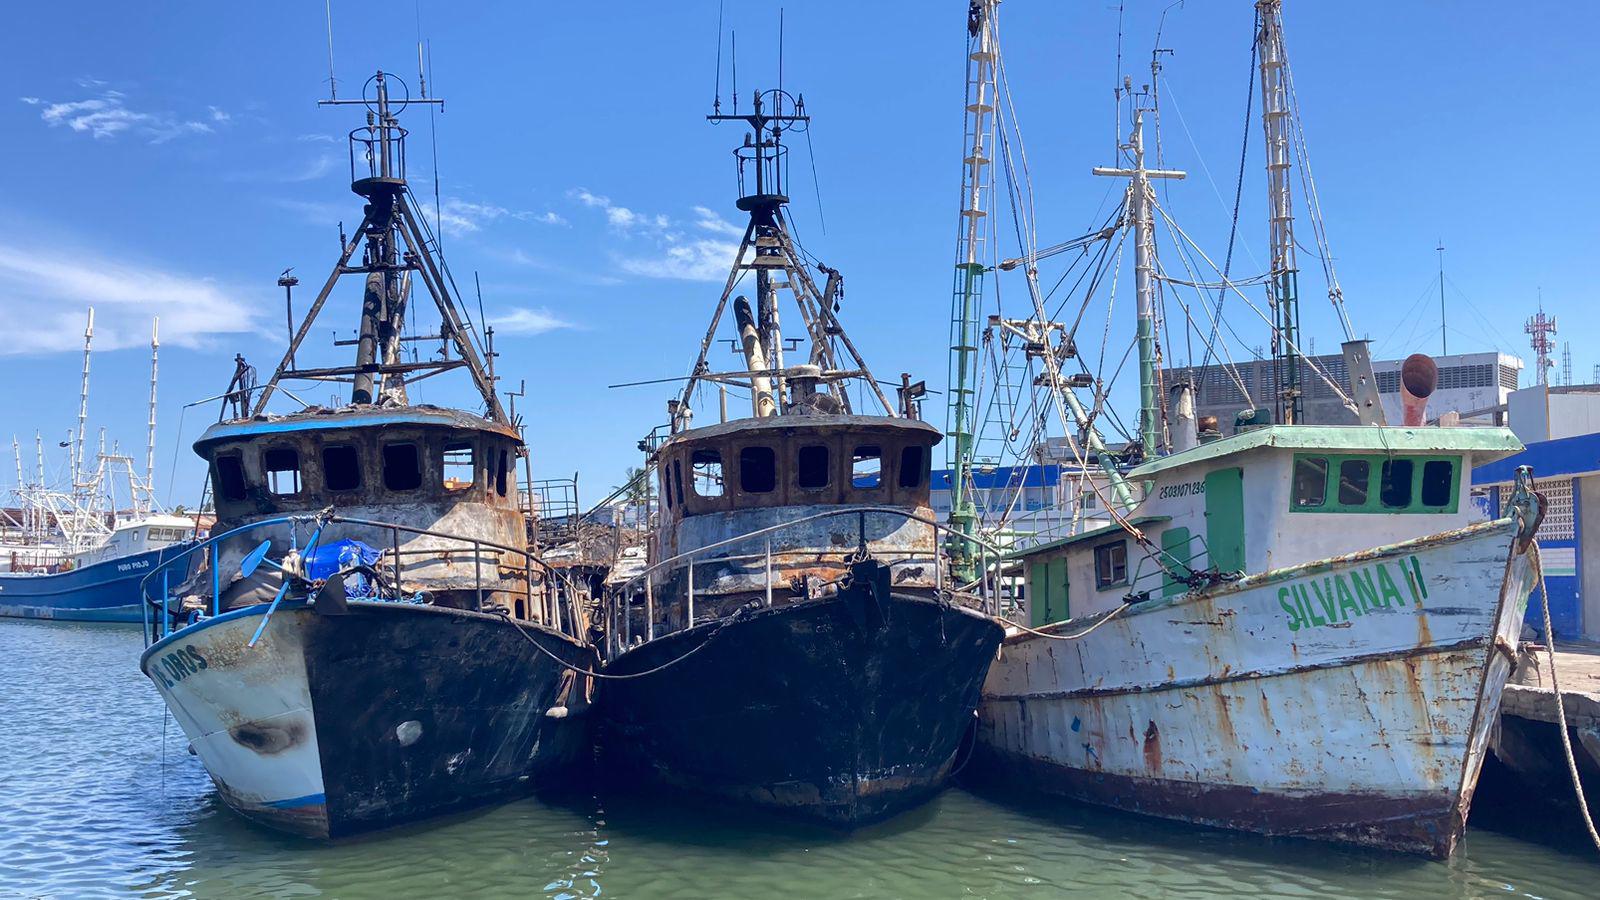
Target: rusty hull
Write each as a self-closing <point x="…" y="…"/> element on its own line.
<point x="1366" y="724"/>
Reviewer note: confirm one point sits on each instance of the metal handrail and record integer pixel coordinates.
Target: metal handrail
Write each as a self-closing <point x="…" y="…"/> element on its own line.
<point x="772" y="529"/>
<point x="213" y="542"/>
<point x="626" y="590"/>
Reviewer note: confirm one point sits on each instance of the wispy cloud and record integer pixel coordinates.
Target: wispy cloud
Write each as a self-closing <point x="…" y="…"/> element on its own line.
<point x="458" y="216"/>
<point x="707" y="220"/>
<point x="523" y="320"/>
<point x="677" y="254"/>
<point x="701" y="259"/>
<point x="44" y="292"/>
<point x="107" y="116"/>
<point x="621" y="217"/>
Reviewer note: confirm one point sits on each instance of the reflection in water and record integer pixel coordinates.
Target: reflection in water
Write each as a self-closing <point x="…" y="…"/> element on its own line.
<point x="102" y="798"/>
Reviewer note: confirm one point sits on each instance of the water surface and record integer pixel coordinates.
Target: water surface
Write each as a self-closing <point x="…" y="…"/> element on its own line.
<point x="101" y="798"/>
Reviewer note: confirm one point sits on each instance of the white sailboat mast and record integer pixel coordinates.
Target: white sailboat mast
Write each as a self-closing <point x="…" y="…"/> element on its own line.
<point x="148" y="502"/>
<point x="83" y="401"/>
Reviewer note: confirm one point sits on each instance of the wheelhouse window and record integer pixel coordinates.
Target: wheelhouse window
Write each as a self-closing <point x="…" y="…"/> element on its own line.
<point x="402" y="467"/>
<point x="758" y="470"/>
<point x="341" y="468"/>
<point x="706" y="473"/>
<point x="1394" y="488"/>
<point x="666" y="486"/>
<point x="812" y="471"/>
<point x="677" y="479"/>
<point x="1438" y="482"/>
<point x="1310" y="481"/>
<point x="502" y="472"/>
<point x="913" y="461"/>
<point x="458" y="465"/>
<point x="1353" y="477"/>
<point x="282" y="466"/>
<point x="1111" y="565"/>
<point x="866" y="468"/>
<point x="229" y="476"/>
<point x="1406" y="484"/>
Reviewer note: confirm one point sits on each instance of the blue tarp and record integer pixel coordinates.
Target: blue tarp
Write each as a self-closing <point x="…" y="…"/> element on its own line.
<point x="329" y="559"/>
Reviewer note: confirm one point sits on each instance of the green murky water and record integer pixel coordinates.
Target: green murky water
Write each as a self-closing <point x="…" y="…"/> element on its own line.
<point x="98" y="797"/>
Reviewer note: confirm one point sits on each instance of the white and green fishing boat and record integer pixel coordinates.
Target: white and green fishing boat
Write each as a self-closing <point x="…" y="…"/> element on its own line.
<point x="1295" y="629"/>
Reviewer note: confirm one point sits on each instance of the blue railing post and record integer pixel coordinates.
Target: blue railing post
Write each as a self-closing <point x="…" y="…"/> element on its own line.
<point x="166" y="618"/>
<point x="216" y="577"/>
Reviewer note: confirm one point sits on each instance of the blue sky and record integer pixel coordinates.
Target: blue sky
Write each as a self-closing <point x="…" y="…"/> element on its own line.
<point x="170" y="159"/>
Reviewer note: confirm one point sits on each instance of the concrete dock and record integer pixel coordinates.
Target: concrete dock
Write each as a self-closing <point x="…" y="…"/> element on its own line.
<point x="1527" y="742"/>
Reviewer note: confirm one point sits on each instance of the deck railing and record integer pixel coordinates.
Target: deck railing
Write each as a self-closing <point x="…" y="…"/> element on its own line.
<point x="619" y="635"/>
<point x="560" y="609"/>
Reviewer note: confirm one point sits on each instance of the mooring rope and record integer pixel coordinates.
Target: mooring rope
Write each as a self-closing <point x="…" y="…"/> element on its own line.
<point x="1065" y="637"/>
<point x="1561" y="710"/>
<point x="737" y="614"/>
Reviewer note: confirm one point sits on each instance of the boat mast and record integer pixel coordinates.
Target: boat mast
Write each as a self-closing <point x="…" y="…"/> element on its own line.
<point x="1285" y="270"/>
<point x="83" y="402"/>
<point x="977" y="189"/>
<point x="1139" y="214"/>
<point x="148" y="503"/>
<point x="769" y="251"/>
<point x="398" y="245"/>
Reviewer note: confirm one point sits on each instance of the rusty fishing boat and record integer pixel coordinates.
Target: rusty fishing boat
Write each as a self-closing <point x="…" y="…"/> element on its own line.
<point x="366" y="640"/>
<point x="1296" y="629"/>
<point x="795" y="643"/>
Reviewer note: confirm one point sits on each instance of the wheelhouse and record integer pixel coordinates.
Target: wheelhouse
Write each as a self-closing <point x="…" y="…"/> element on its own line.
<point x="1265" y="499"/>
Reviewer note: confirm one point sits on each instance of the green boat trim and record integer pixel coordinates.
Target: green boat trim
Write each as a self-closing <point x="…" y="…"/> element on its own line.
<point x="1486" y="444"/>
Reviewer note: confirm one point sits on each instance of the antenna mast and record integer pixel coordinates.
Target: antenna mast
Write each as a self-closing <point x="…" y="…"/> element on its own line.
<point x="1285" y="270"/>
<point x="148" y="503"/>
<point x="1444" y="339"/>
<point x="398" y="245"/>
<point x="769" y="252"/>
<point x="1139" y="213"/>
<point x="1541" y="327"/>
<point x="83" y="401"/>
<point x="977" y="190"/>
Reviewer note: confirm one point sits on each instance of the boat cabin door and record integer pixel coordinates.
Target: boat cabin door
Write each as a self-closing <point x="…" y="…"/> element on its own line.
<point x="1225" y="519"/>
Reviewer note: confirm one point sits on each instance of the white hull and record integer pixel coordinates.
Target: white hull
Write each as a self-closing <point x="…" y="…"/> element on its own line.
<point x="247" y="712"/>
<point x="1348" y="699"/>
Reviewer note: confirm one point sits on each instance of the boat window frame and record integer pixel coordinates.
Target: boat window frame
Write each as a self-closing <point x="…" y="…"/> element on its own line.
<point x="919" y="471"/>
<point x="856" y="456"/>
<point x="800" y="468"/>
<point x="747" y="466"/>
<point x="298" y="476"/>
<point x="416" y="454"/>
<point x="220" y="482"/>
<point x="446" y="464"/>
<point x="695" y="476"/>
<point x="355" y="454"/>
<point x="1107" y="580"/>
<point x="1295" y="482"/>
<point x="1374" y="500"/>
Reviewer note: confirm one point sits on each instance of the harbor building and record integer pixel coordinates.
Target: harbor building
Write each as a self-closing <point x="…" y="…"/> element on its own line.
<point x="1469" y="383"/>
<point x="1561" y="428"/>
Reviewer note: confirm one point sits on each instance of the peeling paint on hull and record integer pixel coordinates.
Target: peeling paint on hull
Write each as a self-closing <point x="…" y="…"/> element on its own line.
<point x="1368" y="729"/>
<point x="801" y="709"/>
<point x="336" y="725"/>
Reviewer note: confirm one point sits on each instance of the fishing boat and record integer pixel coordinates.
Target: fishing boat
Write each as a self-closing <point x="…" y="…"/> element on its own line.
<point x="1296" y="629"/>
<point x="366" y="640"/>
<point x="795" y="643"/>
<point x="77" y="554"/>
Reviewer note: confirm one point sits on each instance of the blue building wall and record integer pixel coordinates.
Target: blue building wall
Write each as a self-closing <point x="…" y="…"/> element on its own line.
<point x="1564" y="462"/>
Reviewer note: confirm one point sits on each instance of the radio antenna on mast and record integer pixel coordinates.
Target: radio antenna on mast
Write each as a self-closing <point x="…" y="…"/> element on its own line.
<point x="333" y="87"/>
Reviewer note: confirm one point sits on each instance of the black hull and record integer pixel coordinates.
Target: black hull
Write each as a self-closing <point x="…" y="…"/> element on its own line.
<point x="475" y="692"/>
<point x="813" y="708"/>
